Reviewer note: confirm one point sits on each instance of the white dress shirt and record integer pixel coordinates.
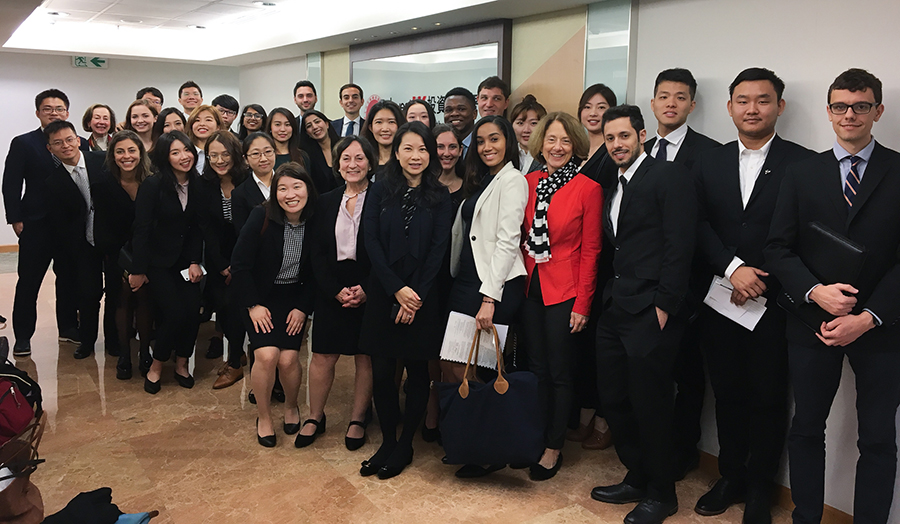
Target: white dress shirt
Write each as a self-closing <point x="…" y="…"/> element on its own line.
<point x="262" y="187"/>
<point x="616" y="205"/>
<point x="675" y="139"/>
<point x="356" y="129"/>
<point x="79" y="175"/>
<point x="525" y="159"/>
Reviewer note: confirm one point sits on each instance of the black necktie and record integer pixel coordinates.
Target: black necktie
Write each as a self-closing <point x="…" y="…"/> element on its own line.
<point x="851" y="187"/>
<point x="623" y="181"/>
<point x="661" y="152"/>
<point x="350" y="128"/>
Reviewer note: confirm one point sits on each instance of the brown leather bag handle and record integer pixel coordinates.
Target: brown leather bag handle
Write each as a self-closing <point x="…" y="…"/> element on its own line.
<point x="501" y="385"/>
<point x="464" y="387"/>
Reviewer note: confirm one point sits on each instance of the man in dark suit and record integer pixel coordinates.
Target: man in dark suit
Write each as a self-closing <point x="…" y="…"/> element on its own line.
<point x="737" y="186"/>
<point x="460" y="110"/>
<point x="351" y="99"/>
<point x="673" y="100"/>
<point x="305" y="97"/>
<point x="29" y="162"/>
<point x="852" y="189"/>
<point x="651" y="220"/>
<point x="71" y="207"/>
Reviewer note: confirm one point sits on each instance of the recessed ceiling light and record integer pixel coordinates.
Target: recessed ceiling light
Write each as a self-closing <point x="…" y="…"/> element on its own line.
<point x="264" y="4"/>
<point x="356" y="39"/>
<point x="58" y="14"/>
<point x="437" y="23"/>
<point x="126" y="21"/>
<point x="197" y="26"/>
<point x="395" y="32"/>
<point x="415" y="28"/>
<point x="374" y="36"/>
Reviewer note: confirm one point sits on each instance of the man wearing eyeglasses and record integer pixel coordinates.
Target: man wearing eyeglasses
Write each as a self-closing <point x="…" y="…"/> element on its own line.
<point x="228" y="108"/>
<point x="29" y="162"/>
<point x="854" y="190"/>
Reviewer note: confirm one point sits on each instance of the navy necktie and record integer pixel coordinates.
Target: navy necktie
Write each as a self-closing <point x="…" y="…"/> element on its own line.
<point x="350" y="128"/>
<point x="661" y="152"/>
<point x="851" y="187"/>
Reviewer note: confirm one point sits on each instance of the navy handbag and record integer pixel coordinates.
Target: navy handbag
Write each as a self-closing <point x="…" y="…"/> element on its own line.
<point x="494" y="423"/>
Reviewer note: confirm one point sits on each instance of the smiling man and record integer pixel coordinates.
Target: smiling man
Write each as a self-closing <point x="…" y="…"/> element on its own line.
<point x="493" y="97"/>
<point x="459" y="112"/>
<point x="190" y="96"/>
<point x="351" y="99"/>
<point x="305" y="97"/>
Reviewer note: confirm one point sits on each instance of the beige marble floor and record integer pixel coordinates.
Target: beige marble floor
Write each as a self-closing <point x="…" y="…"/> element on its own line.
<point x="192" y="455"/>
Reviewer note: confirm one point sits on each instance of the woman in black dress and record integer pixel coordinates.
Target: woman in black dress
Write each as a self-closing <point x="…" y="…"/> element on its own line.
<point x="407" y="228"/>
<point x="385" y="117"/>
<point x="317" y="138"/>
<point x="272" y="281"/>
<point x="342" y="270"/>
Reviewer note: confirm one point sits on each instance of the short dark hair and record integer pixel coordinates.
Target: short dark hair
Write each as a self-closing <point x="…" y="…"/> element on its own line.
<point x="677" y="74"/>
<point x="56" y="126"/>
<point x="343" y="144"/>
<point x="245" y="145"/>
<point x="153" y="91"/>
<point x="855" y="79"/>
<point x="632" y="113"/>
<point x="345" y="86"/>
<point x="50" y="93"/>
<point x="494" y="82"/>
<point x="226" y="101"/>
<point x="189" y="83"/>
<point x="89" y="115"/>
<point x="598" y="89"/>
<point x="758" y="73"/>
<point x="463" y="92"/>
<point x="305" y="83"/>
<point x="296" y="171"/>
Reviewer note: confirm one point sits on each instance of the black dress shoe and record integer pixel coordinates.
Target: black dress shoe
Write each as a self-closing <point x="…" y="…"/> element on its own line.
<point x="305" y="440"/>
<point x="185" y="382"/>
<point x="430" y="434"/>
<point x="152" y="387"/>
<point x="620" y="493"/>
<point x="538" y="472"/>
<point x="651" y="511"/>
<point x="290" y="429"/>
<point x="215" y="349"/>
<point x="354" y="444"/>
<point x="268" y="441"/>
<point x="396" y="463"/>
<point x="123" y="372"/>
<point x="758" y="509"/>
<point x="22" y="348"/>
<point x="474" y="471"/>
<point x="722" y="495"/>
<point x="686" y="463"/>
<point x="83" y="351"/>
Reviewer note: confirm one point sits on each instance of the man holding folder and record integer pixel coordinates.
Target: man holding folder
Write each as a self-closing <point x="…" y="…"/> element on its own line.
<point x="852" y="191"/>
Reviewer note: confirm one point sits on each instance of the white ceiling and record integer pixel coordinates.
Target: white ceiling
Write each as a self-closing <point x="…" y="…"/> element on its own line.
<point x="236" y="32"/>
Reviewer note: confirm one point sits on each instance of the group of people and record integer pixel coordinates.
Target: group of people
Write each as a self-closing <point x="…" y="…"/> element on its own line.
<point x="595" y="243"/>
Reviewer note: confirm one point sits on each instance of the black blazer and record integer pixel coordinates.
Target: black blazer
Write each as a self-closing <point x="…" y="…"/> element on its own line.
<point x="256" y="262"/>
<point x="694" y="144"/>
<point x="324" y="246"/>
<point x="113" y="214"/>
<point x="655" y="238"/>
<point x="66" y="204"/>
<point x="601" y="169"/>
<point x="399" y="260"/>
<point x="218" y="234"/>
<point x="812" y="191"/>
<point x="244" y="198"/>
<point x="321" y="173"/>
<point x="29" y="162"/>
<point x="726" y="228"/>
<point x="338" y="126"/>
<point x="166" y="236"/>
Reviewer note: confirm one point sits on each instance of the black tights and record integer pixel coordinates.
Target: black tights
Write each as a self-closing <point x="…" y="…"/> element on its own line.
<point x="394" y="452"/>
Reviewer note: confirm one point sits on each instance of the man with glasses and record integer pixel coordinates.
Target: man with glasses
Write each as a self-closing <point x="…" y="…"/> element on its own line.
<point x="351" y="96"/>
<point x="189" y="96"/>
<point x="852" y="189"/>
<point x="29" y="163"/>
<point x="228" y="108"/>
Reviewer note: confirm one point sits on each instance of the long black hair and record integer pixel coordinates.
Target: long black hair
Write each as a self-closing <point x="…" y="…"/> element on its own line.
<point x="475" y="166"/>
<point x="297" y="155"/>
<point x="430" y="189"/>
<point x="161" y="121"/>
<point x="243" y="131"/>
<point x="160" y="158"/>
<point x="307" y="143"/>
<point x="430" y="110"/>
<point x="391" y="106"/>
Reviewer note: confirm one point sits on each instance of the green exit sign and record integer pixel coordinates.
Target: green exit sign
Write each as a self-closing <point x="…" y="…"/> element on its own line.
<point x="90" y="62"/>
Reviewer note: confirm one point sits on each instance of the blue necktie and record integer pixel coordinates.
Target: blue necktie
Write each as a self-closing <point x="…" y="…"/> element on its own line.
<point x="661" y="152"/>
<point x="851" y="187"/>
<point x="350" y="128"/>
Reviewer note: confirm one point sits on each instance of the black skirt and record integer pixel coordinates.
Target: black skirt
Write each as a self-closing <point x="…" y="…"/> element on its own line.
<point x="281" y="300"/>
<point x="381" y="337"/>
<point x="337" y="328"/>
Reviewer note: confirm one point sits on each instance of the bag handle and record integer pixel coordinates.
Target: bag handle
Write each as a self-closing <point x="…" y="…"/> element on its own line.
<point x="464" y="387"/>
<point x="501" y="385"/>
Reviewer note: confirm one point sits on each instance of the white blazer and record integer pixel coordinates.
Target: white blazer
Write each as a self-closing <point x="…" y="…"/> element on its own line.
<point x="496" y="232"/>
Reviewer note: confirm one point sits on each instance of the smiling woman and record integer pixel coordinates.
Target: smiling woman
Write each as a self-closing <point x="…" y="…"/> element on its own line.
<point x="140" y="117"/>
<point x="100" y="121"/>
<point x="203" y="122"/>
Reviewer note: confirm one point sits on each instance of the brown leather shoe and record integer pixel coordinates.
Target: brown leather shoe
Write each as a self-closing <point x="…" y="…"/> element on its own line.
<point x="598" y="440"/>
<point x="228" y="376"/>
<point x="578" y="435"/>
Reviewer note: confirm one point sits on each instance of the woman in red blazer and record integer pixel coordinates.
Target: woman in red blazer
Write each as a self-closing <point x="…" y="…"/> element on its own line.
<point x="561" y="238"/>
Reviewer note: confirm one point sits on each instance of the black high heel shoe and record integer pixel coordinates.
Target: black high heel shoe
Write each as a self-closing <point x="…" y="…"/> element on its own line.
<point x="152" y="387"/>
<point x="538" y="472"/>
<point x="267" y="441"/>
<point x="378" y="460"/>
<point x="395" y="465"/>
<point x="305" y="440"/>
<point x="354" y="444"/>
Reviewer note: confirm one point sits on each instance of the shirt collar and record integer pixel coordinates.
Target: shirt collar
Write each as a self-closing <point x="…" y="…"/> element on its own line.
<point x="764" y="149"/>
<point x="634" y="167"/>
<point x="866" y="153"/>
<point x="71" y="169"/>
<point x="675" y="137"/>
<point x="257" y="180"/>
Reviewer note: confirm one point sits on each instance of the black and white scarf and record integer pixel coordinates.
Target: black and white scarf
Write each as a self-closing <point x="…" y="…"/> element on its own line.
<point x="538" y="243"/>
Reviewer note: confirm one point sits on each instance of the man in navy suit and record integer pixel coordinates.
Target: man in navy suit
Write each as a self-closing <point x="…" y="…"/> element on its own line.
<point x="351" y="96"/>
<point x="29" y="162"/>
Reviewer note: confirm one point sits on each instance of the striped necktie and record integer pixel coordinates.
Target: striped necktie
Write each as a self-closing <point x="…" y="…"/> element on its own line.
<point x="851" y="187"/>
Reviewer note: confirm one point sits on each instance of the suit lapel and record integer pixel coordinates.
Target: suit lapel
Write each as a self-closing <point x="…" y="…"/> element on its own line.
<point x="832" y="180"/>
<point x="731" y="179"/>
<point x="687" y="146"/>
<point x="635" y="180"/>
<point x="872" y="176"/>
<point x="773" y="159"/>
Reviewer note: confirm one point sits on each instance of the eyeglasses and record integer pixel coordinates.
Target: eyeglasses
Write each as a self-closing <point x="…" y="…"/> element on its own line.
<point x="253" y="116"/>
<point x="72" y="140"/>
<point x="254" y="155"/>
<point x="47" y="110"/>
<point x="227" y="112"/>
<point x="859" y="108"/>
<point x="214" y="157"/>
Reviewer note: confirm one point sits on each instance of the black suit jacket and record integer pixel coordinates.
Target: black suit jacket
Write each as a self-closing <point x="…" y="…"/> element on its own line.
<point x="66" y="204"/>
<point x="324" y="246"/>
<point x="727" y="229"/>
<point x="244" y="198"/>
<point x="256" y="262"/>
<point x="694" y="144"/>
<point x="165" y="236"/>
<point x="655" y="237"/>
<point x="29" y="162"/>
<point x="812" y="191"/>
<point x="219" y="235"/>
<point x="338" y="126"/>
<point x="113" y="214"/>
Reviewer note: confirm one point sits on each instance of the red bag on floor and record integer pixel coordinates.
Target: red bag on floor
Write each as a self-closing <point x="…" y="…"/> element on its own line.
<point x="15" y="412"/>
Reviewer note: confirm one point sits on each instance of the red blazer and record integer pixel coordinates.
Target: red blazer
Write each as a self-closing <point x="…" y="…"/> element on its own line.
<point x="574" y="222"/>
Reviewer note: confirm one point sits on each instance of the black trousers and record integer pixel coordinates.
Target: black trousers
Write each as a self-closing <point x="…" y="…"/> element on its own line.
<point x="88" y="262"/>
<point x="635" y="360"/>
<point x="748" y="371"/>
<point x="228" y="316"/>
<point x="815" y="376"/>
<point x="690" y="381"/>
<point x="177" y="308"/>
<point x="386" y="395"/>
<point x="38" y="246"/>
<point x="551" y="354"/>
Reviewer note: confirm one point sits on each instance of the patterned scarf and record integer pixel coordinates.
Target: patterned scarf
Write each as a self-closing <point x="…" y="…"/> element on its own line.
<point x="538" y="242"/>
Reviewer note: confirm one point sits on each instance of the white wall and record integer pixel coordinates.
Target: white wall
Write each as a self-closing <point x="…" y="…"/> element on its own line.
<point x="802" y="43"/>
<point x="25" y="75"/>
<point x="270" y="84"/>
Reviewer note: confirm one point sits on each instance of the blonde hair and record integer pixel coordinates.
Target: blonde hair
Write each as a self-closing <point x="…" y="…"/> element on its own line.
<point x="581" y="146"/>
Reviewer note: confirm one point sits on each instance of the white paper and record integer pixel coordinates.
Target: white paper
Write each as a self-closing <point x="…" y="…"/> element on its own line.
<point x="5" y="472"/>
<point x="458" y="341"/>
<point x="719" y="298"/>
